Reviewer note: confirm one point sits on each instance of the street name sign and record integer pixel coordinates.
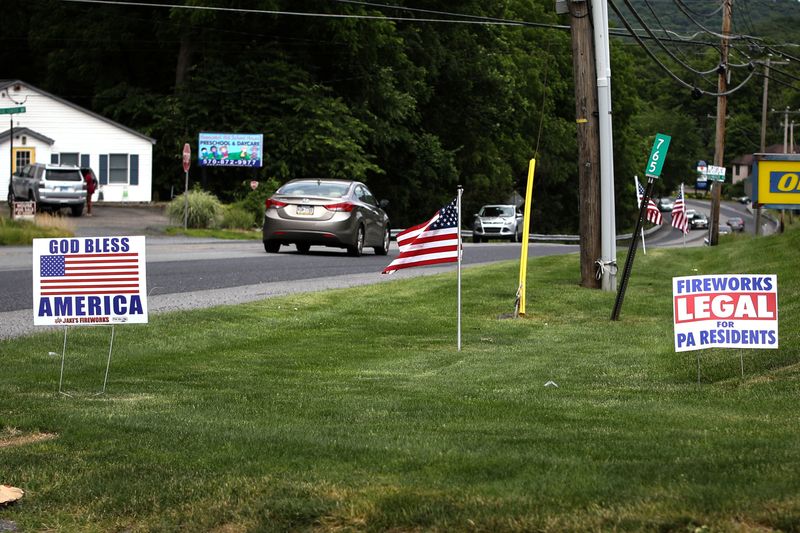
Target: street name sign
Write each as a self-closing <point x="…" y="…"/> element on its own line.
<point x="12" y="110"/>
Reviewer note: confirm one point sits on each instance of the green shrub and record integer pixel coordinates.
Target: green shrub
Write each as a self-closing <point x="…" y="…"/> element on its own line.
<point x="235" y="217"/>
<point x="205" y="210"/>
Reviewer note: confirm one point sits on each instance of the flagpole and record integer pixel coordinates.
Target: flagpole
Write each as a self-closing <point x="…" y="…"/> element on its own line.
<point x="458" y="209"/>
<point x="686" y="227"/>
<point x="644" y="248"/>
<point x="639" y="205"/>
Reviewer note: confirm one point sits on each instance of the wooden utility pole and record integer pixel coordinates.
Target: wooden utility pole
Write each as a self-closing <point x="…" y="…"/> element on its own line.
<point x="722" y="109"/>
<point x="585" y="75"/>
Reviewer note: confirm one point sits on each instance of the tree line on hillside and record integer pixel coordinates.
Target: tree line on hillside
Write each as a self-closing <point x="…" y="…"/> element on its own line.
<point x="413" y="108"/>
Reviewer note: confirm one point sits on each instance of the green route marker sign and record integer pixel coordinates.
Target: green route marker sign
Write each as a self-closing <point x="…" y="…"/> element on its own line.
<point x="657" y="156"/>
<point x="12" y="110"/>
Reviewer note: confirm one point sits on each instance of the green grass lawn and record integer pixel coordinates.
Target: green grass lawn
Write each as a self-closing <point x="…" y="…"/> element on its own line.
<point x="22" y="232"/>
<point x="352" y="410"/>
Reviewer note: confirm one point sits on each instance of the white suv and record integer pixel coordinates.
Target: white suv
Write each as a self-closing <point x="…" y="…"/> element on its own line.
<point x="50" y="186"/>
<point x="497" y="222"/>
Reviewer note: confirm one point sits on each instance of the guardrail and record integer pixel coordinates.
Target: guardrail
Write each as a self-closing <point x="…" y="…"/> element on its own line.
<point x="540" y="237"/>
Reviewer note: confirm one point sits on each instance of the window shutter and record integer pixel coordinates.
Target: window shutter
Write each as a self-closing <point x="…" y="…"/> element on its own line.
<point x="85" y="161"/>
<point x="134" y="170"/>
<point x="54" y="159"/>
<point x="103" y="169"/>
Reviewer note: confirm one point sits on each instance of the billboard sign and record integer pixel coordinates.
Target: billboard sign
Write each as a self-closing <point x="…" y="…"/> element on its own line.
<point x="715" y="173"/>
<point x="230" y="150"/>
<point x="777" y="181"/>
<point x="725" y="311"/>
<point x="89" y="281"/>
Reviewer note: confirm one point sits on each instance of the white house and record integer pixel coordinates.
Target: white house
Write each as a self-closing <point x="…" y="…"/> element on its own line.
<point x="53" y="130"/>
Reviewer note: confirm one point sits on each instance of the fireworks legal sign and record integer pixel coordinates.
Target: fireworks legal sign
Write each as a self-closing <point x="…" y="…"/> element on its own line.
<point x="89" y="281"/>
<point x="725" y="311"/>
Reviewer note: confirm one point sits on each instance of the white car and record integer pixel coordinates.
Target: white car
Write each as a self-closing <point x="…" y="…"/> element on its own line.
<point x="497" y="222"/>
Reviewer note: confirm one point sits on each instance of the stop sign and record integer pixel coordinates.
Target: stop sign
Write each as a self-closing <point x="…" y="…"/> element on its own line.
<point x="187" y="156"/>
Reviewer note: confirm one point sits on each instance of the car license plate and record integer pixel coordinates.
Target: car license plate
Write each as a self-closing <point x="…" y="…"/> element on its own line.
<point x="305" y="210"/>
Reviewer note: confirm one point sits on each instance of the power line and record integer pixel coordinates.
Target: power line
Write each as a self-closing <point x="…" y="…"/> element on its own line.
<point x="688" y="14"/>
<point x="483" y="22"/>
<point x="666" y="69"/>
<point x="663" y="47"/>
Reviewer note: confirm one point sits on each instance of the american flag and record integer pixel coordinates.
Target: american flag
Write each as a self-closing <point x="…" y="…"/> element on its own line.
<point x="679" y="219"/>
<point x="653" y="214"/>
<point x="87" y="274"/>
<point x="430" y="243"/>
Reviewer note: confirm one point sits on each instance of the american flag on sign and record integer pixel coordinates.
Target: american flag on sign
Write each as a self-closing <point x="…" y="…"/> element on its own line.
<point x="679" y="219"/>
<point x="88" y="274"/>
<point x="653" y="214"/>
<point x="430" y="243"/>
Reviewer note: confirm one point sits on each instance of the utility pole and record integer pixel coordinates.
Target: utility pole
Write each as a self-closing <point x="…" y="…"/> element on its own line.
<point x="763" y="145"/>
<point x="586" y="113"/>
<point x="722" y="108"/>
<point x="608" y="217"/>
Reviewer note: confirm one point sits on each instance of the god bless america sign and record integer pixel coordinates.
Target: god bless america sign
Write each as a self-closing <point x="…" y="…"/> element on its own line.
<point x="725" y="311"/>
<point x="89" y="281"/>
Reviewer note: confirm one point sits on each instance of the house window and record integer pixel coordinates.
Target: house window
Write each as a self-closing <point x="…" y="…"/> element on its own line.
<point x="69" y="158"/>
<point x="22" y="157"/>
<point x="118" y="168"/>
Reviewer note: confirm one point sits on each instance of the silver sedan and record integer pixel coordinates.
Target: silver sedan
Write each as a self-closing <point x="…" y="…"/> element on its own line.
<point x="327" y="212"/>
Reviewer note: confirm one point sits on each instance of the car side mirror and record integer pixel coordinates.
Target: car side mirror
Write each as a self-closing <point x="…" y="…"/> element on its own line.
<point x="383" y="203"/>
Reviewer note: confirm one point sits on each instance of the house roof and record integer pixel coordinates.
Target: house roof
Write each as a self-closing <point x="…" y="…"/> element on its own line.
<point x="747" y="159"/>
<point x="26" y="131"/>
<point x="5" y="84"/>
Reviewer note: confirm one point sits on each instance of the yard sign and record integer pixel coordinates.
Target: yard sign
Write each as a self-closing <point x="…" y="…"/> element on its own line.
<point x="89" y="281"/>
<point x="725" y="311"/>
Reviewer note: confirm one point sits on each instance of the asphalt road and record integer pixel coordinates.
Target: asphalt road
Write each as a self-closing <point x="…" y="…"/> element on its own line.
<point x="184" y="273"/>
<point x="177" y="265"/>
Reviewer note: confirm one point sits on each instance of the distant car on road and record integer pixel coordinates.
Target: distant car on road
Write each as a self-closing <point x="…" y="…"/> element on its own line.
<point x="736" y="224"/>
<point x="742" y="199"/>
<point x="698" y="221"/>
<point x="665" y="205"/>
<point x="497" y="222"/>
<point x="327" y="212"/>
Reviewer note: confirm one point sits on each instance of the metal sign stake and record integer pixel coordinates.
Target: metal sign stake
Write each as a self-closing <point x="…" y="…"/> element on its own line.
<point x="698" y="368"/>
<point x="63" y="357"/>
<point x="63" y="352"/>
<point x="108" y="363"/>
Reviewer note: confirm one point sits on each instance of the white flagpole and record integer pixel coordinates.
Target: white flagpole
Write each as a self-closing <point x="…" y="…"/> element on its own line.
<point x="639" y="205"/>
<point x="683" y="195"/>
<point x="458" y="208"/>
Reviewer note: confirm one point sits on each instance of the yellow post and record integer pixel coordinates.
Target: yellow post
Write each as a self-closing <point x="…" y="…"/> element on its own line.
<point x="526" y="224"/>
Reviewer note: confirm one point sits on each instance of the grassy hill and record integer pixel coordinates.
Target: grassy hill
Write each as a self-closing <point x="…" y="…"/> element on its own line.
<point x="352" y="410"/>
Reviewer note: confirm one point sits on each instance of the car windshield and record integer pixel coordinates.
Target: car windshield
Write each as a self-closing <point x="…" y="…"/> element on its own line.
<point x="315" y="188"/>
<point x="57" y="174"/>
<point x="496" y="211"/>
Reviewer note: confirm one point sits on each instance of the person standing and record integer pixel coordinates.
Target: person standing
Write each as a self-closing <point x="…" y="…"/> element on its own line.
<point x="90" y="187"/>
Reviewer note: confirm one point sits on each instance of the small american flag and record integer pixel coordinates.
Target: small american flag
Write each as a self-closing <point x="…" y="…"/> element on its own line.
<point x="679" y="219"/>
<point x="87" y="274"/>
<point x="653" y="214"/>
<point x="430" y="243"/>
